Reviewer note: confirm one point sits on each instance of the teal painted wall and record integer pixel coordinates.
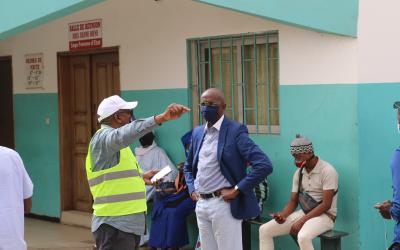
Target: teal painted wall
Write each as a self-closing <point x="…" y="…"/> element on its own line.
<point x="19" y="16"/>
<point x="378" y="140"/>
<point x="38" y="145"/>
<point x="339" y="17"/>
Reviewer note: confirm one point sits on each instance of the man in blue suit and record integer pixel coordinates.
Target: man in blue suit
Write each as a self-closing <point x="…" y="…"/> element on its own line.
<point x="215" y="172"/>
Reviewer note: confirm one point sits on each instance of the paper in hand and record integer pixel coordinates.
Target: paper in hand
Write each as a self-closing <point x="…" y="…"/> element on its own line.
<point x="162" y="173"/>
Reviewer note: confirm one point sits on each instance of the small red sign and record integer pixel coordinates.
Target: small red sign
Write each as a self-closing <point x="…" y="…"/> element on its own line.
<point x="85" y="35"/>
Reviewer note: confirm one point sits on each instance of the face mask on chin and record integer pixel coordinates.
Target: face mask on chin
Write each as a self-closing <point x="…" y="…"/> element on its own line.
<point x="210" y="113"/>
<point x="301" y="164"/>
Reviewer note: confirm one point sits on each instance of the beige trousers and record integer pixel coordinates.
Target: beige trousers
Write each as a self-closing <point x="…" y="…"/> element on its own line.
<point x="311" y="229"/>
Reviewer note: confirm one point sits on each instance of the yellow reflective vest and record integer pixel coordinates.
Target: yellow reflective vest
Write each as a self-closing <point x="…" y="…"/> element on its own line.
<point x="119" y="190"/>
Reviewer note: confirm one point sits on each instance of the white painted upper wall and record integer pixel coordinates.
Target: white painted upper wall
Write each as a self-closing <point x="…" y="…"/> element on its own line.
<point x="379" y="41"/>
<point x="152" y="38"/>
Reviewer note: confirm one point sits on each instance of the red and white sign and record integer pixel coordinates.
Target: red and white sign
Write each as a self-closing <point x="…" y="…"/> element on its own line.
<point x="85" y="35"/>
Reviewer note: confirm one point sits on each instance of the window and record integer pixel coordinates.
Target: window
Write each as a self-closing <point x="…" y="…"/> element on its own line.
<point x="246" y="68"/>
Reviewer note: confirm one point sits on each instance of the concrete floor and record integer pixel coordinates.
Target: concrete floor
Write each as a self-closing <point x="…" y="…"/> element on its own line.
<point x="44" y="235"/>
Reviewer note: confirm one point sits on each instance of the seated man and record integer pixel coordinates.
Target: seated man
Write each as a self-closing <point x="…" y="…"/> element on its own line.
<point x="172" y="203"/>
<point x="151" y="157"/>
<point x="316" y="194"/>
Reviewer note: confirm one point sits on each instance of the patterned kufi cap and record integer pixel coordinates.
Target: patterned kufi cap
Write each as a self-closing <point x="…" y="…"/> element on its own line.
<point x="301" y="145"/>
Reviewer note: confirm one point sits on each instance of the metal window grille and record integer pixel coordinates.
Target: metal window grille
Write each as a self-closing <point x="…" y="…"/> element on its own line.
<point x="246" y="68"/>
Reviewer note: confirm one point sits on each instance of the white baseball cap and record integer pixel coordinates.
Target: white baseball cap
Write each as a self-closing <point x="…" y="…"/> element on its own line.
<point x="112" y="104"/>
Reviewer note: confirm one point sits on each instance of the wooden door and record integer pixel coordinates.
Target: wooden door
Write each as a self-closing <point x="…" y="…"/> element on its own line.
<point x="81" y="126"/>
<point x="6" y="103"/>
<point x="105" y="73"/>
<point x="85" y="80"/>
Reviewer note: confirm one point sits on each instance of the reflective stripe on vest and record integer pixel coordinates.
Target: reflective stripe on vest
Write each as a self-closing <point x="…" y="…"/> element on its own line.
<point x="120" y="197"/>
<point x="119" y="190"/>
<point x="112" y="176"/>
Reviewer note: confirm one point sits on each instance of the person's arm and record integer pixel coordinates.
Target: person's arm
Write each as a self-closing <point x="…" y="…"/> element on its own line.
<point x="384" y="209"/>
<point x="173" y="112"/>
<point x="147" y="177"/>
<point x="119" y="138"/>
<point x="187" y="170"/>
<point x="259" y="161"/>
<point x="27" y="187"/>
<point x="290" y="206"/>
<point x="124" y="136"/>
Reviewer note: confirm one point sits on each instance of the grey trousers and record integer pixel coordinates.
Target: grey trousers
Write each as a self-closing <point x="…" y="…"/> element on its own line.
<point x="110" y="238"/>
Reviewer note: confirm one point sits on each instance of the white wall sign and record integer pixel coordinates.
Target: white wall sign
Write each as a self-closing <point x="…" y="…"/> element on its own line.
<point x="34" y="71"/>
<point x="85" y="35"/>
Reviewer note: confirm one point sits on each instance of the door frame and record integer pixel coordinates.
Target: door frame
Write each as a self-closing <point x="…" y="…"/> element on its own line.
<point x="64" y="117"/>
<point x="9" y="58"/>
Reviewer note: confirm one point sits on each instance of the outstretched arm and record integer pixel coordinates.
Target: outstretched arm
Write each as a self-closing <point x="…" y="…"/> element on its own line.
<point x="173" y="112"/>
<point x="124" y="136"/>
<point x="290" y="206"/>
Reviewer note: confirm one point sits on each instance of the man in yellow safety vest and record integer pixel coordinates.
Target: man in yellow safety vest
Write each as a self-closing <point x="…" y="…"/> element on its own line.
<point x="116" y="181"/>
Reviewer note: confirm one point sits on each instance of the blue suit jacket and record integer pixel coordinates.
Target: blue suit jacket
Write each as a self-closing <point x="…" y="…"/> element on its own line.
<point x="235" y="150"/>
<point x="395" y="210"/>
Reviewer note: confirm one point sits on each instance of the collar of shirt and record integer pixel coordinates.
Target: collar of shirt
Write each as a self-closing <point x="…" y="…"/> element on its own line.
<point x="317" y="169"/>
<point x="216" y="125"/>
<point x="105" y="126"/>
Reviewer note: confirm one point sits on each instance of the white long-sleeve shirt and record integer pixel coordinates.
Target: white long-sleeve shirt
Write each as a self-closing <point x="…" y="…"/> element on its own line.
<point x="15" y="186"/>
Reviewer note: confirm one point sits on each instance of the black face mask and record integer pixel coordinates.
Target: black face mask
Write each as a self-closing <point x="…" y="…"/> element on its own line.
<point x="147" y="139"/>
<point x="210" y="113"/>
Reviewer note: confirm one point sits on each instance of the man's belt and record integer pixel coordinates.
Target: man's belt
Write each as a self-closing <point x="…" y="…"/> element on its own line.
<point x="211" y="195"/>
